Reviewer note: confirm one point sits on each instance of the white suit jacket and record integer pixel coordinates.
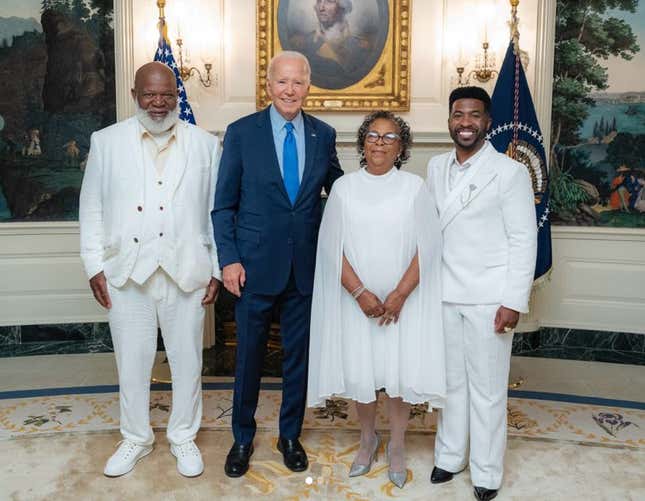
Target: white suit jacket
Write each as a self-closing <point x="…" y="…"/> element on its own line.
<point x="113" y="189"/>
<point x="489" y="230"/>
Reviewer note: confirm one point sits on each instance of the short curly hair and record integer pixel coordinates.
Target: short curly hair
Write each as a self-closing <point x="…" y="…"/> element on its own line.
<point x="404" y="133"/>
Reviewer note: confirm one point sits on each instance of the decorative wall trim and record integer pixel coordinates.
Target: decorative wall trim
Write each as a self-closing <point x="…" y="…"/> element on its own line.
<point x="544" y="57"/>
<point x="124" y="55"/>
<point x="598" y="233"/>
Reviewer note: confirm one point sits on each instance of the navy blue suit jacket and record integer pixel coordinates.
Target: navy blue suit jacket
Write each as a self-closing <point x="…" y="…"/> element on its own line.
<point x="253" y="220"/>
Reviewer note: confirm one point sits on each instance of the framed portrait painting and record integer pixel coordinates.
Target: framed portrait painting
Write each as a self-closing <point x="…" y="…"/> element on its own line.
<point x="358" y="50"/>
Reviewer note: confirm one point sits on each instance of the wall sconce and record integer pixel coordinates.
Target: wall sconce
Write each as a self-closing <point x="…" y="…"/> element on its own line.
<point x="199" y="31"/>
<point x="186" y="72"/>
<point x="484" y="68"/>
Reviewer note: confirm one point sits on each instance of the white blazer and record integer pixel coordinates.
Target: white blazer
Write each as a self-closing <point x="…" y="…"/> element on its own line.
<point x="489" y="230"/>
<point x="113" y="189"/>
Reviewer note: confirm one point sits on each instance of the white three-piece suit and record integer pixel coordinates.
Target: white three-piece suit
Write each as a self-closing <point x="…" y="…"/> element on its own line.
<point x="149" y="230"/>
<point x="487" y="216"/>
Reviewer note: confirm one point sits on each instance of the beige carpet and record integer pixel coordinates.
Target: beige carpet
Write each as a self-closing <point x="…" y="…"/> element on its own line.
<point x="68" y="466"/>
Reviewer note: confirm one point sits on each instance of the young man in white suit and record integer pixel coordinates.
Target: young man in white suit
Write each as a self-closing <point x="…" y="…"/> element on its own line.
<point x="487" y="215"/>
<point x="147" y="247"/>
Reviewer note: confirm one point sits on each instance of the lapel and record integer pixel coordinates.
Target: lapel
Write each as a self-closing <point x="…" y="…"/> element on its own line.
<point x="178" y="159"/>
<point x="134" y="152"/>
<point x="440" y="182"/>
<point x="267" y="144"/>
<point x="469" y="187"/>
<point x="311" y="142"/>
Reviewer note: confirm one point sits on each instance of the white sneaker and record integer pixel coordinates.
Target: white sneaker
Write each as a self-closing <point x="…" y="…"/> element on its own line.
<point x="124" y="459"/>
<point x="189" y="459"/>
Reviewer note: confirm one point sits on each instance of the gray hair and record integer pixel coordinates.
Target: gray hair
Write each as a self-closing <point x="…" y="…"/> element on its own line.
<point x="289" y="54"/>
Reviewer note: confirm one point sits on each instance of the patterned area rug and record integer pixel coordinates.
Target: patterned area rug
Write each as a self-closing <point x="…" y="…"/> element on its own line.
<point x="527" y="417"/>
<point x="68" y="467"/>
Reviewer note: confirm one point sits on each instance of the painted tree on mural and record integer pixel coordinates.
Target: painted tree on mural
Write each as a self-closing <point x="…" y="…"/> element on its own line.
<point x="586" y="35"/>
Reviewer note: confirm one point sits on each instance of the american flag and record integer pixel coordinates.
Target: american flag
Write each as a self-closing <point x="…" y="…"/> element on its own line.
<point x="164" y="55"/>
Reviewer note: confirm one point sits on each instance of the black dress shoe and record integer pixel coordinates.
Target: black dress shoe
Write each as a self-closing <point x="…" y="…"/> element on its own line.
<point x="439" y="476"/>
<point x="237" y="461"/>
<point x="484" y="494"/>
<point x="295" y="457"/>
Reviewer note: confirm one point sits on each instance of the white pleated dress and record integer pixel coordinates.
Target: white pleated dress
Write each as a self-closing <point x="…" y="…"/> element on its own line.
<point x="379" y="223"/>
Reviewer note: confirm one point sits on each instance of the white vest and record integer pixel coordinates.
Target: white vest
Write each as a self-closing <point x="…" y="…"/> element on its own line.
<point x="157" y="217"/>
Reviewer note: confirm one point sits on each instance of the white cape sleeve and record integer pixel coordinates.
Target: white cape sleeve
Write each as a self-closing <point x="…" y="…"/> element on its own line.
<point x="325" y="343"/>
<point x="424" y="359"/>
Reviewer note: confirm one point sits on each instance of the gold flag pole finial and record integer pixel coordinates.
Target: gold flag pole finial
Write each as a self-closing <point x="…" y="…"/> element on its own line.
<point x="163" y="30"/>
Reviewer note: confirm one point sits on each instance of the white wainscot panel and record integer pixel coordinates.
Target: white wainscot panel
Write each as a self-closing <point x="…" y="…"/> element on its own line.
<point x="597" y="280"/>
<point x="43" y="281"/>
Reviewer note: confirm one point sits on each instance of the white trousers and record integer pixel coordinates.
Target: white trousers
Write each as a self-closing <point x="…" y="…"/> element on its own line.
<point x="137" y="311"/>
<point x="477" y="368"/>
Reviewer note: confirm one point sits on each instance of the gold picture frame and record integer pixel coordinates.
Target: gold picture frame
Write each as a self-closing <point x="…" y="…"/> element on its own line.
<point x="369" y="69"/>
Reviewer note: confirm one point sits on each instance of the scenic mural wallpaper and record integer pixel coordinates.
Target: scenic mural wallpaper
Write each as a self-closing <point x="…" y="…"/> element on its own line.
<point x="597" y="157"/>
<point x="57" y="87"/>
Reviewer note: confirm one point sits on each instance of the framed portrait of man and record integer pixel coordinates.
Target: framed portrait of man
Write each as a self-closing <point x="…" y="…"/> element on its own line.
<point x="358" y="50"/>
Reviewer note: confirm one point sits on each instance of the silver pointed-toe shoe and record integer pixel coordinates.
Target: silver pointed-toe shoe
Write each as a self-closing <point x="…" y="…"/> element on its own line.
<point x="356" y="470"/>
<point x="398" y="478"/>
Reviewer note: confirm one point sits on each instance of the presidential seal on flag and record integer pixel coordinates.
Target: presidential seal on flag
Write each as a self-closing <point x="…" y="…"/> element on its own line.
<point x="526" y="152"/>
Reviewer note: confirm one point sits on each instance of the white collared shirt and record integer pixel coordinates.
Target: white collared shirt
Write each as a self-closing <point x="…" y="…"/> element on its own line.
<point x="158" y="146"/>
<point x="457" y="170"/>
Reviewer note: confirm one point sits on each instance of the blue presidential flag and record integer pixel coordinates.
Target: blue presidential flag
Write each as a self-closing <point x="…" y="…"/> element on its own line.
<point x="164" y="55"/>
<point x="515" y="131"/>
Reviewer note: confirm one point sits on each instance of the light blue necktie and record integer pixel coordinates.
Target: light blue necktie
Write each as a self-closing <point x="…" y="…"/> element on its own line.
<point x="290" y="164"/>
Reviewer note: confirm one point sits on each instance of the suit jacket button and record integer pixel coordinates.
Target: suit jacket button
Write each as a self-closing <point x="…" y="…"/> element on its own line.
<point x="139" y="208"/>
<point x="136" y="240"/>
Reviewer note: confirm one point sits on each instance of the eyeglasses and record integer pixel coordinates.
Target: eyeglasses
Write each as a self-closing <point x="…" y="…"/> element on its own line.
<point x="388" y="138"/>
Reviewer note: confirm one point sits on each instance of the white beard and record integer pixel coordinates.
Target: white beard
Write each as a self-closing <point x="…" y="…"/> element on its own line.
<point x="153" y="126"/>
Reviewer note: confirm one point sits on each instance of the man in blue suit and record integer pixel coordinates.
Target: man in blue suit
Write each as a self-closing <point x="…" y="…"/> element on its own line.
<point x="266" y="217"/>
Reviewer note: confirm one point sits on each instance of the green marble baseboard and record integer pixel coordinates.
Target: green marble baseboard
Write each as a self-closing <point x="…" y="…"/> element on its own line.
<point x="571" y="344"/>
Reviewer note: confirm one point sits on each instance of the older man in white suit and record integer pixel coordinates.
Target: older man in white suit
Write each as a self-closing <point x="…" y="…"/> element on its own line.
<point x="147" y="247"/>
<point x="487" y="215"/>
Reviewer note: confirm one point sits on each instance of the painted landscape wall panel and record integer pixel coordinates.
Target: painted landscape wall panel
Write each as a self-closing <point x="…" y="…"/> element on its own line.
<point x="57" y="87"/>
<point x="597" y="158"/>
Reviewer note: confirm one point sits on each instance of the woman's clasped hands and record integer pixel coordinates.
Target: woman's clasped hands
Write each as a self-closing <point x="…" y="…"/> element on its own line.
<point x="387" y="311"/>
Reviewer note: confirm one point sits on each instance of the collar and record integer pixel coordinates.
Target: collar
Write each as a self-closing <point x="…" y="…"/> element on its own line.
<point x="338" y="32"/>
<point x="278" y="121"/>
<point x="453" y="157"/>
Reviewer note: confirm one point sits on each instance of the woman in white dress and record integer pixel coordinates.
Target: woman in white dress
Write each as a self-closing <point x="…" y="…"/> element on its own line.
<point x="376" y="314"/>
